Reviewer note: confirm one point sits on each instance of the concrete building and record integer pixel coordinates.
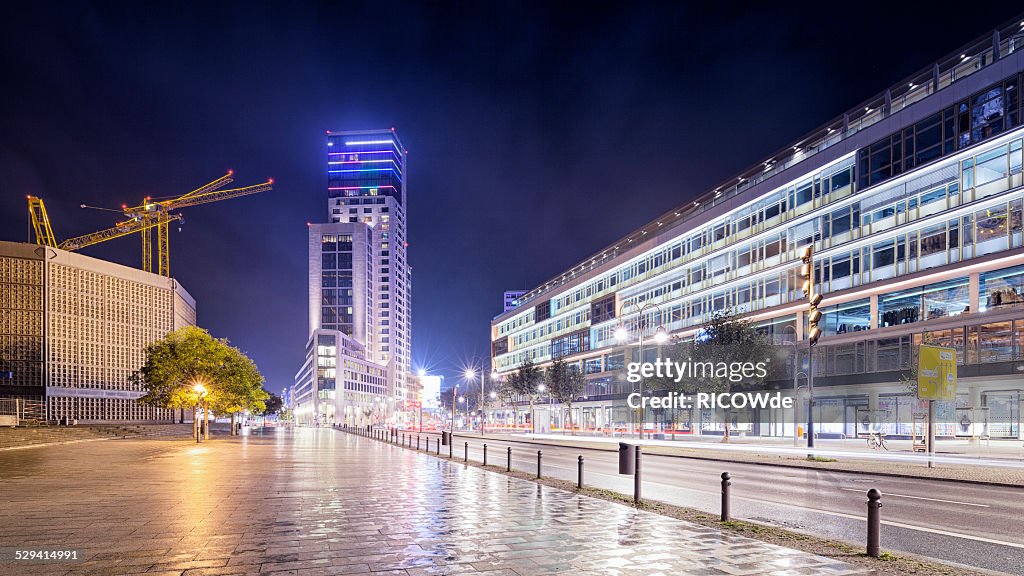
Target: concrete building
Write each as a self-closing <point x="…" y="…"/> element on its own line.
<point x="73" y="329"/>
<point x="360" y="282"/>
<point x="912" y="203"/>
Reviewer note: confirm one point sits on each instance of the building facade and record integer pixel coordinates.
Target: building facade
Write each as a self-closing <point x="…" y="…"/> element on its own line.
<point x="73" y="329"/>
<point x="912" y="203"/>
<point x="360" y="282"/>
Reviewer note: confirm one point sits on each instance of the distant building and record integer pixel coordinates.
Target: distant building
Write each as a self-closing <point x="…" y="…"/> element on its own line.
<point x="512" y="298"/>
<point x="359" y="285"/>
<point x="73" y="329"/>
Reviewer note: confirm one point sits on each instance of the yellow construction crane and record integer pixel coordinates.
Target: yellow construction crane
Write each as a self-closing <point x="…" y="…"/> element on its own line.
<point x="156" y="214"/>
<point x="142" y="219"/>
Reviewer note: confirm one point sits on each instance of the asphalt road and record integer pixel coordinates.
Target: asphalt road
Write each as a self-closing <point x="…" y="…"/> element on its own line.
<point x="967" y="524"/>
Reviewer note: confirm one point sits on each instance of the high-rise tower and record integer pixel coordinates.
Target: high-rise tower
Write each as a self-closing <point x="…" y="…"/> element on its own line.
<point x="356" y="370"/>
<point x="366" y="186"/>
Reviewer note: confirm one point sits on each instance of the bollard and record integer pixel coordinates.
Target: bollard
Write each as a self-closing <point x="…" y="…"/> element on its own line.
<point x="636" y="477"/>
<point x="417" y="442"/>
<point x="438" y="446"/>
<point x="485" y="454"/>
<point x="466" y="458"/>
<point x="450" y="445"/>
<point x="538" y="463"/>
<point x="725" y="496"/>
<point x="579" y="480"/>
<point x="509" y="467"/>
<point x="874" y="523"/>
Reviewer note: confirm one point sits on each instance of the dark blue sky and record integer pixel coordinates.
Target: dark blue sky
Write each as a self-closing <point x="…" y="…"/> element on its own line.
<point x="538" y="132"/>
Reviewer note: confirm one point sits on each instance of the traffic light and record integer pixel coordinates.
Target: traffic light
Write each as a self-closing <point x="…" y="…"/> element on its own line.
<point x="813" y="298"/>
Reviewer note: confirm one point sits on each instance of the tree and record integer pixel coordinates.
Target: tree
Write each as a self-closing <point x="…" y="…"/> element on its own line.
<point x="565" y="384"/>
<point x="507" y="393"/>
<point x="189" y="356"/>
<point x="274" y="404"/>
<point x="238" y="386"/>
<point x="727" y="338"/>
<point x="527" y="379"/>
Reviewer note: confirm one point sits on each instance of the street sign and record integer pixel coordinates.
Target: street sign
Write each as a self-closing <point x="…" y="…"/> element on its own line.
<point x="936" y="373"/>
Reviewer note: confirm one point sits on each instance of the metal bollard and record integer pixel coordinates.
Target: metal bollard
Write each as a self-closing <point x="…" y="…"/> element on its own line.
<point x="466" y="458"/>
<point x="579" y="480"/>
<point x="417" y="442"/>
<point x="509" y="466"/>
<point x="874" y="523"/>
<point x="485" y="454"/>
<point x="438" y="446"/>
<point x="450" y="446"/>
<point x="725" y="496"/>
<point x="539" y="453"/>
<point x="636" y="477"/>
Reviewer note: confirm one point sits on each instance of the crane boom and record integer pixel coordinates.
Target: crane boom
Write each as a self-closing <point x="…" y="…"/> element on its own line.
<point x="120" y="229"/>
<point x="217" y="195"/>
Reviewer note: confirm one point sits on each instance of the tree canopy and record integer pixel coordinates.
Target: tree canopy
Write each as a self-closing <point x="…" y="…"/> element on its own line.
<point x="190" y="356"/>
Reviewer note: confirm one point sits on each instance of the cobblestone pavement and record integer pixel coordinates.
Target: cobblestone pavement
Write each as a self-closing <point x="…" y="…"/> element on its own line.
<point x="325" y="502"/>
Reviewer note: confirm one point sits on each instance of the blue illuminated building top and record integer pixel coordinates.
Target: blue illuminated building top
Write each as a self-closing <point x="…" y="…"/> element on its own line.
<point x="365" y="163"/>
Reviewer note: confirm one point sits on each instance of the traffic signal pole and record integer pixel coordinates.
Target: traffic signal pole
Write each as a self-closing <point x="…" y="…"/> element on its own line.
<point x="813" y="333"/>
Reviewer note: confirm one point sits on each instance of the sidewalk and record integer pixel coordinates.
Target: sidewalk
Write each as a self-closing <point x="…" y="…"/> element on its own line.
<point x="312" y="501"/>
<point x="989" y="462"/>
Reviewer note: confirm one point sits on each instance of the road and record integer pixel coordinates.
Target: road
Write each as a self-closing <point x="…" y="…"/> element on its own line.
<point x="961" y="523"/>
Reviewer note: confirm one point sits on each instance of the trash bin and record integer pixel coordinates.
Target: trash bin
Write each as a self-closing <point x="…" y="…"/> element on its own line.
<point x="627" y="458"/>
<point x="445" y="438"/>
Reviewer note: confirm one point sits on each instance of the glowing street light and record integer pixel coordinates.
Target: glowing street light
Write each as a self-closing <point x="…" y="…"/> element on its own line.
<point x="201" y="393"/>
<point x="621" y="334"/>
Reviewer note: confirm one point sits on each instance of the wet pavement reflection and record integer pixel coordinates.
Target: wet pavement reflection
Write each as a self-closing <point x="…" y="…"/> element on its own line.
<point x="322" y="502"/>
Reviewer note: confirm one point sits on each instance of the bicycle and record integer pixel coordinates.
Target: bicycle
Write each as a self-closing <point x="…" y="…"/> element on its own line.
<point x="876" y="441"/>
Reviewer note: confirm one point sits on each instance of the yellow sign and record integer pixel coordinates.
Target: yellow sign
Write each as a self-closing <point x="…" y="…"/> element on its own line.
<point x="936" y="373"/>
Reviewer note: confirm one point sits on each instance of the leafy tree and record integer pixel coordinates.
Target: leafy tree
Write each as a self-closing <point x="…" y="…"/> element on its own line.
<point x="507" y="392"/>
<point x="238" y="386"/>
<point x="727" y="338"/>
<point x="528" y="379"/>
<point x="565" y="384"/>
<point x="274" y="404"/>
<point x="190" y="356"/>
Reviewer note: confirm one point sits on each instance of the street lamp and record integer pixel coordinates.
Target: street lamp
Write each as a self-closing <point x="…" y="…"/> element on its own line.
<point x="201" y="392"/>
<point x="660" y="337"/>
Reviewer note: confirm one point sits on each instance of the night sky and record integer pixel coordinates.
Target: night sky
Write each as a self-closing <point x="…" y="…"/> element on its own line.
<point x="538" y="133"/>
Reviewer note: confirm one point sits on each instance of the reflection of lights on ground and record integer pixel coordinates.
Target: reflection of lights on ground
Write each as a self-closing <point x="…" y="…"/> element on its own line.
<point x="196" y="451"/>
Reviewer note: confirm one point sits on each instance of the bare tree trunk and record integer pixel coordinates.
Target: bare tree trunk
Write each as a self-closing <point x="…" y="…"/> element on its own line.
<point x="181" y="415"/>
<point x="232" y="423"/>
<point x="206" y="422"/>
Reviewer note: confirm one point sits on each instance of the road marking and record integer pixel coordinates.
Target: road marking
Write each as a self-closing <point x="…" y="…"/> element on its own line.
<point x="830" y="512"/>
<point x="858" y="490"/>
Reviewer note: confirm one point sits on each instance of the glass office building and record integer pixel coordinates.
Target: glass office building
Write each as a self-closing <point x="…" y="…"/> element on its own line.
<point x="912" y="202"/>
<point x="360" y="285"/>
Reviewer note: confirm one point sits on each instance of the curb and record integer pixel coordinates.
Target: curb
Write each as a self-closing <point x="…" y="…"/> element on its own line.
<point x="782" y="464"/>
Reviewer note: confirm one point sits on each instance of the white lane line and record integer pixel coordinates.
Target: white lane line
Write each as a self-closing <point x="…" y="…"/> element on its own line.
<point x="829" y="512"/>
<point x="860" y="491"/>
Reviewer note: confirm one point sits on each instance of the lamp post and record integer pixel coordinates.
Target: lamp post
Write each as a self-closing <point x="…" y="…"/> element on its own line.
<point x="542" y="388"/>
<point x="492" y="395"/>
<point x="660" y="337"/>
<point x="201" y="395"/>
<point x="455" y="391"/>
<point x="470" y="373"/>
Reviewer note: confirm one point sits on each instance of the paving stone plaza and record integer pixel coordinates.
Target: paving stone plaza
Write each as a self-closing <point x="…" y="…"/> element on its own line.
<point x="325" y="502"/>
